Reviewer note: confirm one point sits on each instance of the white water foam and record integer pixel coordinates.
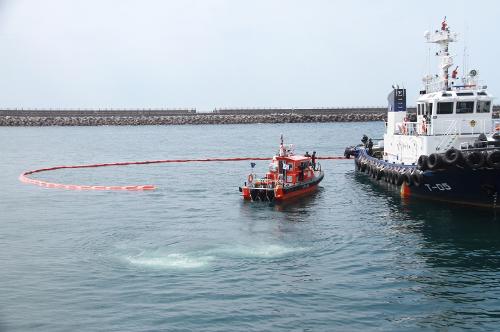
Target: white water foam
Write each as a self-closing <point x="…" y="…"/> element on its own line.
<point x="171" y="261"/>
<point x="159" y="260"/>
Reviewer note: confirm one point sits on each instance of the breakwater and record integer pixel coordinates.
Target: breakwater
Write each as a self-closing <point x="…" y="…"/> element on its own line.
<point x="136" y="117"/>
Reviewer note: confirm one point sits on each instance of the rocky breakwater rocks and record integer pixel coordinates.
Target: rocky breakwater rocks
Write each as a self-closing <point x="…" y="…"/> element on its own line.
<point x="195" y="119"/>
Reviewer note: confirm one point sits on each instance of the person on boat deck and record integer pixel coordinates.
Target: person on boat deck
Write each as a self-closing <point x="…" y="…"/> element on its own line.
<point x="284" y="168"/>
<point x="364" y="140"/>
<point x="282" y="150"/>
<point x="313" y="160"/>
<point x="427" y="119"/>
<point x="370" y="147"/>
<point x="307" y="154"/>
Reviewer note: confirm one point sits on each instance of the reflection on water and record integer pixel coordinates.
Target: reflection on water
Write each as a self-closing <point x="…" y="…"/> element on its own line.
<point x="452" y="259"/>
<point x="299" y="205"/>
<point x="292" y="210"/>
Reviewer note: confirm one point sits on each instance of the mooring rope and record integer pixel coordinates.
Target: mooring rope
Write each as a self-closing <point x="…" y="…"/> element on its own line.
<point x="24" y="177"/>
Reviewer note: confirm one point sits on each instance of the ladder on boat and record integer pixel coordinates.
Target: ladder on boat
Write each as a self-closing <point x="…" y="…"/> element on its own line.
<point x="449" y="137"/>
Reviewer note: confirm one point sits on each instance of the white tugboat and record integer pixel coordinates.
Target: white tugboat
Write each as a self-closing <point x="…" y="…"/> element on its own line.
<point x="452" y="151"/>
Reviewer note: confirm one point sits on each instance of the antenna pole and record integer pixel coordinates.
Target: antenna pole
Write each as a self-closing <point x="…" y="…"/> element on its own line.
<point x="443" y="38"/>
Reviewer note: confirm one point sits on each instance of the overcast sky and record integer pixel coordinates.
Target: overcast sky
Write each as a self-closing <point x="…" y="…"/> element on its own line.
<point x="215" y="53"/>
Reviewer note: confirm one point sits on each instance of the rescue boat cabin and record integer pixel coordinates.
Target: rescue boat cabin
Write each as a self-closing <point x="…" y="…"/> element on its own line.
<point x="291" y="169"/>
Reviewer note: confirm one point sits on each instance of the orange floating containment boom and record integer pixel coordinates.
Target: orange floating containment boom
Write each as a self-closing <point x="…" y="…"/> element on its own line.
<point x="25" y="176"/>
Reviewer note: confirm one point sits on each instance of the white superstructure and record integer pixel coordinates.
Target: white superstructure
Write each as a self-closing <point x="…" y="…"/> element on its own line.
<point x="451" y="111"/>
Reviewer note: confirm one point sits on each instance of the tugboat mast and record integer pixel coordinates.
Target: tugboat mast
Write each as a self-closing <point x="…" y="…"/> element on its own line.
<point x="443" y="38"/>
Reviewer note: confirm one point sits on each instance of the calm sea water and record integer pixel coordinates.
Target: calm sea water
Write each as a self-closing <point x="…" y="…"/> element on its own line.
<point x="193" y="256"/>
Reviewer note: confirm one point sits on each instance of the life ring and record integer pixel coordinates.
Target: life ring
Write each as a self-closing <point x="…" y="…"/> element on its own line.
<point x="250" y="178"/>
<point x="424" y="127"/>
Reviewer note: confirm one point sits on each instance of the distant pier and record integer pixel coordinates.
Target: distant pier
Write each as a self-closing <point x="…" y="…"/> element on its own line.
<point x="182" y="116"/>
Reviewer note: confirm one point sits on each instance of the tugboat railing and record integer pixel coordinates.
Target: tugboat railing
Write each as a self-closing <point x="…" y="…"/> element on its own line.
<point x="432" y="85"/>
<point x="453" y="127"/>
<point x="412" y="128"/>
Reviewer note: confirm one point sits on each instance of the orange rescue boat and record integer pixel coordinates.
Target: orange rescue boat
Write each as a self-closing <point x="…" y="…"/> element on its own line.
<point x="289" y="176"/>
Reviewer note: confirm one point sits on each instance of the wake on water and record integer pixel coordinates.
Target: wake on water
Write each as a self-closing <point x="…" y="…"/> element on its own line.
<point x="204" y="258"/>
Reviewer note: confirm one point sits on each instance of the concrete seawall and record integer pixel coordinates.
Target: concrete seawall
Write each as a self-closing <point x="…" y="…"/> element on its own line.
<point x="190" y="116"/>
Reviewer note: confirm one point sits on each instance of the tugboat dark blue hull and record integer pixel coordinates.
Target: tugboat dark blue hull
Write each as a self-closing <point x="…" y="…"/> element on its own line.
<point x="473" y="187"/>
<point x="455" y="184"/>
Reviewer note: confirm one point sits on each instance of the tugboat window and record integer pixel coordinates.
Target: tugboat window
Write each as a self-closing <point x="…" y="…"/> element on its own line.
<point x="483" y="107"/>
<point x="445" y="108"/>
<point x="465" y="94"/>
<point x="429" y="108"/>
<point x="465" y="107"/>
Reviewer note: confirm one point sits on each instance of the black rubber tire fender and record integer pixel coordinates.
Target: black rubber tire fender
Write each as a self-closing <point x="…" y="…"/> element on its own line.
<point x="452" y="157"/>
<point x="475" y="159"/>
<point x="390" y="175"/>
<point x="408" y="178"/>
<point x="493" y="159"/>
<point x="422" y="162"/>
<point x="417" y="177"/>
<point x="394" y="179"/>
<point x="380" y="173"/>
<point x="400" y="178"/>
<point x="387" y="174"/>
<point x="435" y="161"/>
